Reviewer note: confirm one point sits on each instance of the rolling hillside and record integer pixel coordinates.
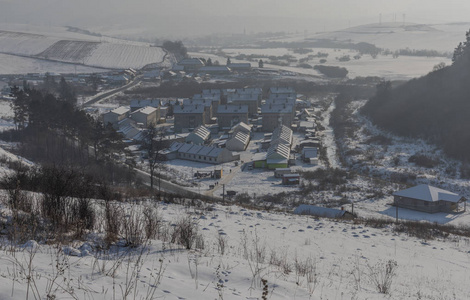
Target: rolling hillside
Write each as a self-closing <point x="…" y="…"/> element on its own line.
<point x="80" y="49"/>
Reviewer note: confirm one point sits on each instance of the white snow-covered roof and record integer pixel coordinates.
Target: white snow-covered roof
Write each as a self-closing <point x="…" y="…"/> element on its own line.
<point x="282" y="134"/>
<point x="146" y="110"/>
<point x="243" y="127"/>
<point x="200" y="132"/>
<point x="428" y="193"/>
<point x="120" y="110"/>
<point x="278" y="151"/>
<point x="242" y="97"/>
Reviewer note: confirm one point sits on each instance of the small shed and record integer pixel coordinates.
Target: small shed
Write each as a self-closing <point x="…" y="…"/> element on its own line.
<point x="290" y="179"/>
<point x="325" y="212"/>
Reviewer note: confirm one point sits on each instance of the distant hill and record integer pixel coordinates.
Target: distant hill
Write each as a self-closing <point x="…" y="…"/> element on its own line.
<point x="88" y="50"/>
<point x="435" y="107"/>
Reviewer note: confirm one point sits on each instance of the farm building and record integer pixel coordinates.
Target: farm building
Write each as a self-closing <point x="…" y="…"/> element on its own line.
<point x="230" y="115"/>
<point x="290" y="179"/>
<point x="115" y="116"/>
<point x="429" y="199"/>
<point x="199" y="136"/>
<point x="241" y="127"/>
<point x="282" y="135"/>
<point x="188" y="117"/>
<point x="215" y="70"/>
<point x="325" y="212"/>
<point x="238" y="142"/>
<point x="146" y="116"/>
<point x="200" y="153"/>
<point x="240" y="67"/>
<point x="191" y="64"/>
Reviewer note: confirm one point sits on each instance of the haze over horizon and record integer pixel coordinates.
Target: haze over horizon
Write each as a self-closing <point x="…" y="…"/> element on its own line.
<point x="183" y="18"/>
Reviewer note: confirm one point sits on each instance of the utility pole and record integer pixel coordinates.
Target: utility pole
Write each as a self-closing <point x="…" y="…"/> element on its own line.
<point x="223" y="193"/>
<point x="352" y="207"/>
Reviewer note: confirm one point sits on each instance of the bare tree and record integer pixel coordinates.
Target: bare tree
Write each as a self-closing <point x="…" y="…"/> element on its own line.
<point x="153" y="145"/>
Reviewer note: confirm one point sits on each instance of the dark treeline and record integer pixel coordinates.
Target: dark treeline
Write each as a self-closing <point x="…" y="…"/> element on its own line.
<point x="435" y="107"/>
<point x="51" y="130"/>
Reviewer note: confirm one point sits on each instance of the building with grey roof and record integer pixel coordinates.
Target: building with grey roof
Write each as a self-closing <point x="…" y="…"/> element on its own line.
<point x="229" y="115"/>
<point x="199" y="153"/>
<point x="274" y="115"/>
<point x="429" y="199"/>
<point x="116" y="115"/>
<point x="188" y="117"/>
<point x="198" y="136"/>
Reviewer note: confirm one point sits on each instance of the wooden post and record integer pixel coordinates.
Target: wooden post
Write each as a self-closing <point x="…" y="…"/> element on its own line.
<point x="352" y="207"/>
<point x="396" y="205"/>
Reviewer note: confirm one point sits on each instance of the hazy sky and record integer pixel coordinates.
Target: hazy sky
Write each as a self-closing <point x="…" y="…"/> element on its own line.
<point x="189" y="17"/>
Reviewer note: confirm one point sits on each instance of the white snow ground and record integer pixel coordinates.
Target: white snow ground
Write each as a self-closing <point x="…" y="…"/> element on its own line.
<point x="300" y="257"/>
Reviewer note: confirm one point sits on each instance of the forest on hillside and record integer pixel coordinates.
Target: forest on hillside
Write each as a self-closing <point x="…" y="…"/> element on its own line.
<point x="435" y="107"/>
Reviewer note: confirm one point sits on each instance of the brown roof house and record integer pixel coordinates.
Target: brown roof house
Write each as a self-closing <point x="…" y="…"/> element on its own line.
<point x="429" y="199"/>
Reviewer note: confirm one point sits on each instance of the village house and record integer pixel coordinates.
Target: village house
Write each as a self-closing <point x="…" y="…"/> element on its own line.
<point x="428" y="199"/>
<point x="282" y="91"/>
<point x="279" y="172"/>
<point x="242" y="127"/>
<point x="250" y="100"/>
<point x="188" y="117"/>
<point x="310" y="155"/>
<point x="146" y="116"/>
<point x="238" y="142"/>
<point x="273" y="115"/>
<point x="116" y="115"/>
<point x="208" y="112"/>
<point x="229" y="115"/>
<point x="198" y="136"/>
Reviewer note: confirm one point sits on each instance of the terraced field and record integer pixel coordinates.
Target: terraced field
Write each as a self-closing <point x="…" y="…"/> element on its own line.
<point x="69" y="51"/>
<point x="110" y="55"/>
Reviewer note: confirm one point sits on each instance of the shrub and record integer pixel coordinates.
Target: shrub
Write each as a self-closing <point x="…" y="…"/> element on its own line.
<point x="330" y="71"/>
<point x="423" y="161"/>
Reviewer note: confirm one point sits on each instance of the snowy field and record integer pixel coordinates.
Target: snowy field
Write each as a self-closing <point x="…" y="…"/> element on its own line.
<point x="299" y="257"/>
<point x="12" y="64"/>
<point x="403" y="67"/>
<point x="394" y="36"/>
<point x="63" y="46"/>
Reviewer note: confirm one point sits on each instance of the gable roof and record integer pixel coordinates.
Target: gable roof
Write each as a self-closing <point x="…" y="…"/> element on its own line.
<point x="200" y="132"/>
<point x="145" y="110"/>
<point x="120" y="110"/>
<point x="428" y="193"/>
<point x="191" y="62"/>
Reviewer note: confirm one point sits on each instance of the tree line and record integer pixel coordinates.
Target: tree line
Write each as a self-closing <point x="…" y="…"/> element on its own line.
<point x="434" y="107"/>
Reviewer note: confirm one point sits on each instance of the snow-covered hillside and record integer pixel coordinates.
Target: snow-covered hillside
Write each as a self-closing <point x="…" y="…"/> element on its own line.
<point x="299" y="257"/>
<point x="88" y="50"/>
